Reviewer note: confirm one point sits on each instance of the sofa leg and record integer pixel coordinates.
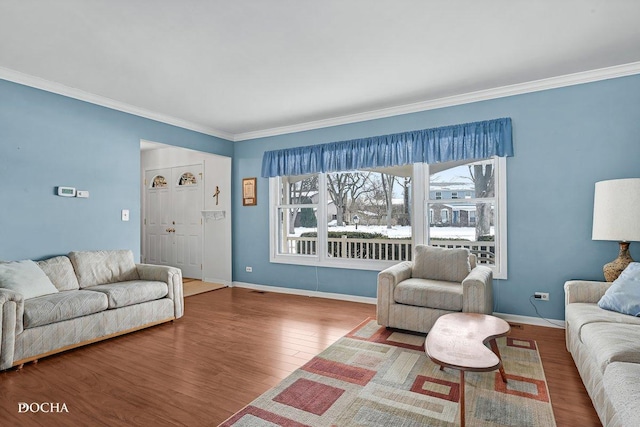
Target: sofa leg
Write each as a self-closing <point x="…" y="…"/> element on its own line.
<point x="20" y="366"/>
<point x="35" y="362"/>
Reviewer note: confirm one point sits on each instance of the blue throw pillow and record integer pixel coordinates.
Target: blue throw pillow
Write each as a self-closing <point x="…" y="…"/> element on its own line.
<point x="624" y="294"/>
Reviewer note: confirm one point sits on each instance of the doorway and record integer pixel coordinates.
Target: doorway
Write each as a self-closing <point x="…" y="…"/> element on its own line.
<point x="173" y="226"/>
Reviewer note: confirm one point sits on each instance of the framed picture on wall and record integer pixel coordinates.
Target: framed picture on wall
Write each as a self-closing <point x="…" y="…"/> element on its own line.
<point x="249" y="194"/>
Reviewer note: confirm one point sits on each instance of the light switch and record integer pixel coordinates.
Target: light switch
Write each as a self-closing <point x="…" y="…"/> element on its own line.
<point x="82" y="193"/>
<point x="125" y="214"/>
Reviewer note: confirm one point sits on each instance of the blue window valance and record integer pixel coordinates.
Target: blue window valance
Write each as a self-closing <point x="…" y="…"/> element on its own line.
<point x="468" y="141"/>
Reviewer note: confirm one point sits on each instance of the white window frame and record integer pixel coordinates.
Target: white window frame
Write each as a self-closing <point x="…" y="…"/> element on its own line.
<point x="420" y="228"/>
<point x="421" y="223"/>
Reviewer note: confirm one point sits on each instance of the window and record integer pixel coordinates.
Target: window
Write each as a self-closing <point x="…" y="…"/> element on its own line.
<point x="297" y="208"/>
<point x="355" y="219"/>
<point x="370" y="219"/>
<point x="476" y="222"/>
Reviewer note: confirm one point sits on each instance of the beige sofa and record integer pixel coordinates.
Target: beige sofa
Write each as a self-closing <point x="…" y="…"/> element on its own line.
<point x="412" y="295"/>
<point x="605" y="346"/>
<point x="96" y="295"/>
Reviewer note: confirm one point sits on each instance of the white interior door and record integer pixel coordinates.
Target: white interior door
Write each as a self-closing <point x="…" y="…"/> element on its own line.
<point x="173" y="220"/>
<point x="157" y="228"/>
<point x="187" y="215"/>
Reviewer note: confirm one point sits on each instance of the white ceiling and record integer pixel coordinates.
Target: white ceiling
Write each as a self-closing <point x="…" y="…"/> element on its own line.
<point x="245" y="68"/>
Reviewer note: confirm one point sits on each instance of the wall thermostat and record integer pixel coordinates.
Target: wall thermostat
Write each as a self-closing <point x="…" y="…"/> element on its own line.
<point x="66" y="191"/>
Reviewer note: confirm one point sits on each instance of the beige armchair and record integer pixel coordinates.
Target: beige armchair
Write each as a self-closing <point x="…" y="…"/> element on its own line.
<point x="412" y="295"/>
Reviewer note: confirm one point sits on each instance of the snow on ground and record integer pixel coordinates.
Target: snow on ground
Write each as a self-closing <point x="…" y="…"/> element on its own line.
<point x="468" y="233"/>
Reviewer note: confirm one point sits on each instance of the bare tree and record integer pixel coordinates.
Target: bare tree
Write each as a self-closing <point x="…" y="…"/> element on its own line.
<point x="387" y="188"/>
<point x="300" y="192"/>
<point x="405" y="183"/>
<point x="359" y="186"/>
<point x="345" y="189"/>
<point x="337" y="185"/>
<point x="483" y="179"/>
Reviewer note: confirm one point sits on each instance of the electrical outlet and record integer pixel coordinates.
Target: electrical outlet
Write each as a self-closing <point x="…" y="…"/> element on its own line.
<point x="248" y="269"/>
<point x="544" y="296"/>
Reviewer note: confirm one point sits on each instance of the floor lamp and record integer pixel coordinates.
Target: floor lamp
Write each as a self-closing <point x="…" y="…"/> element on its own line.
<point x="616" y="216"/>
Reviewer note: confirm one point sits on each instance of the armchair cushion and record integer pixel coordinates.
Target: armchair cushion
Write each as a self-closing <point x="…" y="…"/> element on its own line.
<point x="429" y="293"/>
<point x="451" y="265"/>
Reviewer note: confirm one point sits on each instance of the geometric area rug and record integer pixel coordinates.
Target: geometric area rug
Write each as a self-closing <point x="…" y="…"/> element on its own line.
<point x="379" y="377"/>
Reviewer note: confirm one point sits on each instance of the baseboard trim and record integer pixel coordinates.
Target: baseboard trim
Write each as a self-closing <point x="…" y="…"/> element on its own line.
<point x="213" y="280"/>
<point x="306" y="293"/>
<point x="527" y="320"/>
<point x="513" y="318"/>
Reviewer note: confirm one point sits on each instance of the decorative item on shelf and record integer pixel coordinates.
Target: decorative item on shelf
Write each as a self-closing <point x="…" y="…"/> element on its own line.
<point x="616" y="216"/>
<point x="249" y="194"/>
<point x="214" y="215"/>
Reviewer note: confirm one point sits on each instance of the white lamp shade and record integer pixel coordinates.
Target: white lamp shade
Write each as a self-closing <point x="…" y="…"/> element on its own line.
<point x="616" y="210"/>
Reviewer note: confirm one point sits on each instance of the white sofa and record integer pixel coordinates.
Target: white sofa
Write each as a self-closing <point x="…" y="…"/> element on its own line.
<point x="95" y="295"/>
<point x="412" y="295"/>
<point x="605" y="346"/>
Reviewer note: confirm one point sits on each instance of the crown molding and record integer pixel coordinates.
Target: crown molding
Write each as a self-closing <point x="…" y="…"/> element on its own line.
<point x="60" y="89"/>
<point x="483" y="95"/>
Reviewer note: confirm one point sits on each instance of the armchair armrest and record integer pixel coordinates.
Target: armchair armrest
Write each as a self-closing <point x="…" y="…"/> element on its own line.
<point x="11" y="313"/>
<point x="171" y="276"/>
<point x="477" y="291"/>
<point x="387" y="281"/>
<point x="584" y="291"/>
<point x="396" y="273"/>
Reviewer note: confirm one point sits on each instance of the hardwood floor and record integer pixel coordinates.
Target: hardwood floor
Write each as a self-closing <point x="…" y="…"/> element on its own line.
<point x="232" y="345"/>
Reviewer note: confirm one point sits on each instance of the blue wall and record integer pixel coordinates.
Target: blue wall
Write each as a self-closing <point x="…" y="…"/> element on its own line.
<point x="47" y="140"/>
<point x="565" y="140"/>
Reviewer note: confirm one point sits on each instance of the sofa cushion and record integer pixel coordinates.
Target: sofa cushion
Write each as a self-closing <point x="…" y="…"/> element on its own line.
<point x="577" y="315"/>
<point x="612" y="342"/>
<point x="622" y="390"/>
<point x="60" y="271"/>
<point x="102" y="267"/>
<point x="429" y="293"/>
<point x="134" y="292"/>
<point x="451" y="265"/>
<point x="25" y="278"/>
<point x="62" y="306"/>
<point x="624" y="294"/>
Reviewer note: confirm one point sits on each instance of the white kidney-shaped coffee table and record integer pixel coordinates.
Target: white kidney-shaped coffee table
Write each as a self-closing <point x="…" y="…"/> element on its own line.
<point x="458" y="341"/>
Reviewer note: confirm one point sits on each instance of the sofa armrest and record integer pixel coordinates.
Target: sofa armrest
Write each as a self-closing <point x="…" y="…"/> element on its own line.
<point x="584" y="291"/>
<point x="11" y="314"/>
<point x="171" y="276"/>
<point x="387" y="281"/>
<point x="477" y="291"/>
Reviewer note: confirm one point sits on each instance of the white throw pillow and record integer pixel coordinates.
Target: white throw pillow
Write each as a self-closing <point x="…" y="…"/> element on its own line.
<point x="623" y="295"/>
<point x="25" y="278"/>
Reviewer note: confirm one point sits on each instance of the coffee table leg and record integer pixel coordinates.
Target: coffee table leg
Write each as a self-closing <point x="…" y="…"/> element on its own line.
<point x="494" y="348"/>
<point x="461" y="398"/>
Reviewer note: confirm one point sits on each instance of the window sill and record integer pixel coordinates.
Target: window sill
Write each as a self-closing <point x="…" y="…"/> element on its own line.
<point x="313" y="261"/>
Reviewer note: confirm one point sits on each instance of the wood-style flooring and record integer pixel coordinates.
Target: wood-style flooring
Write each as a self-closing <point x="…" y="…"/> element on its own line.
<point x="194" y="287"/>
<point x="232" y="345"/>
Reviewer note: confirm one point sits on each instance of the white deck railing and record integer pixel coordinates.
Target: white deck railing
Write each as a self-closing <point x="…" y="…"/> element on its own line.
<point x="384" y="249"/>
